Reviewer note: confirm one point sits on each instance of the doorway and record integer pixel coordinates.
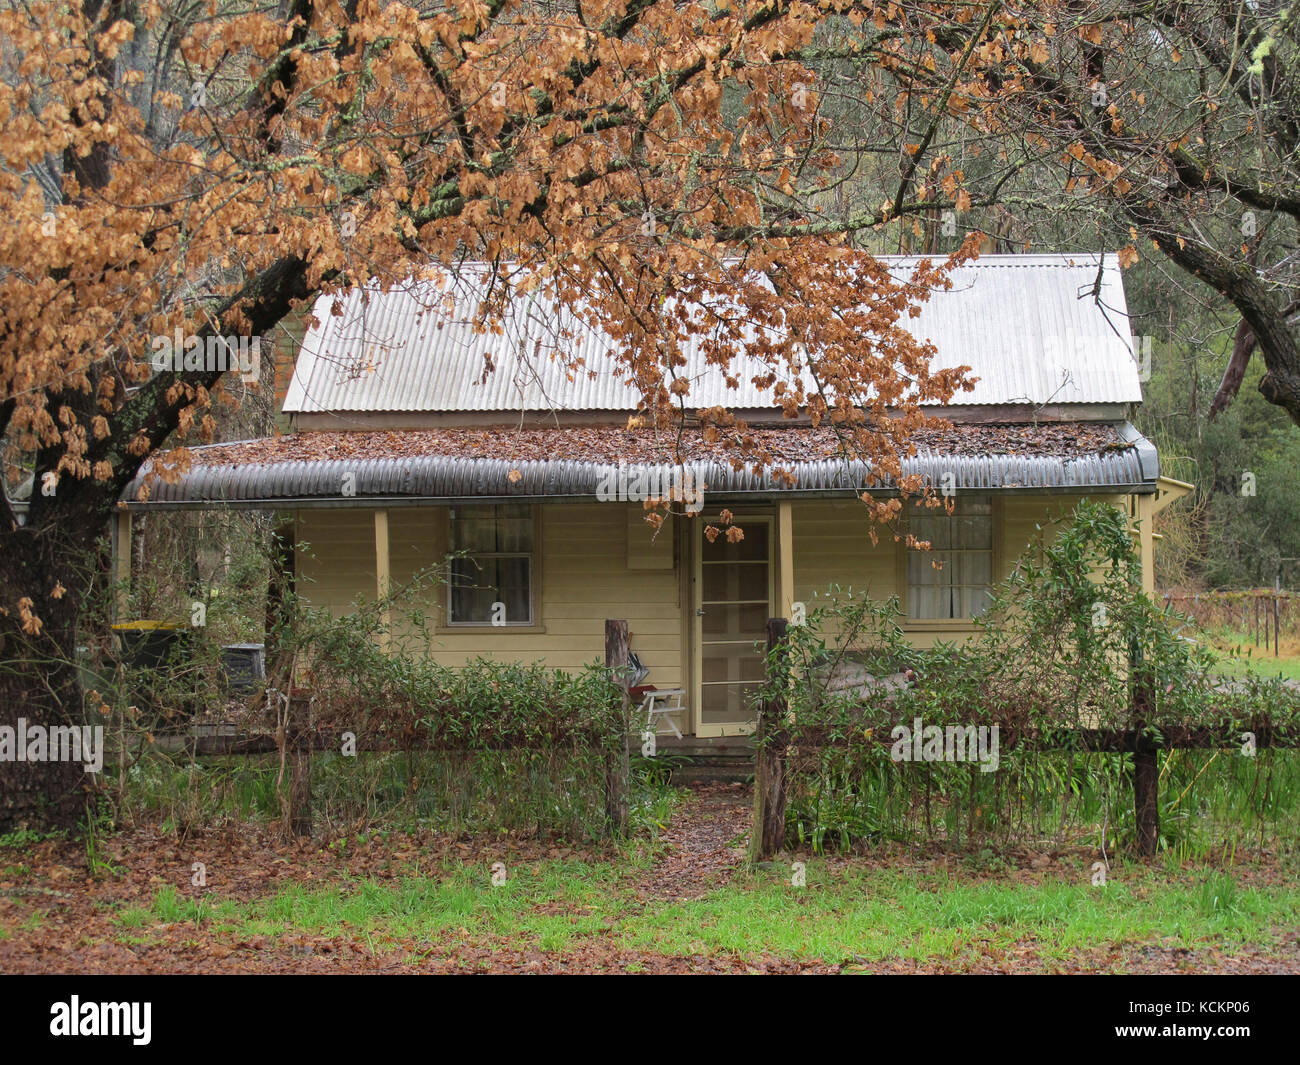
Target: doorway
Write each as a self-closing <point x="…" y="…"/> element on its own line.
<point x="733" y="600"/>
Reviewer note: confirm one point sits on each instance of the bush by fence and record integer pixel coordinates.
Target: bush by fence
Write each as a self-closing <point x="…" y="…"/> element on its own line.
<point x="362" y="723"/>
<point x="1043" y="727"/>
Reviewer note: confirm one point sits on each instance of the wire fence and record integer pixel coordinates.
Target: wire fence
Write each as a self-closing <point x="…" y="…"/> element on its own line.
<point x="1265" y="615"/>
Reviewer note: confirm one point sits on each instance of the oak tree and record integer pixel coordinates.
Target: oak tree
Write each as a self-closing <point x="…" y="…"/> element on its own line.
<point x="197" y="171"/>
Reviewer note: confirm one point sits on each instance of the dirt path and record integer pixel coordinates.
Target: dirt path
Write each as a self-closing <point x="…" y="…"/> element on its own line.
<point x="703" y="845"/>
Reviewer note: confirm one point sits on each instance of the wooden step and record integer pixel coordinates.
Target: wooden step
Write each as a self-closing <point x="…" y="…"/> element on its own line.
<point x="707" y="759"/>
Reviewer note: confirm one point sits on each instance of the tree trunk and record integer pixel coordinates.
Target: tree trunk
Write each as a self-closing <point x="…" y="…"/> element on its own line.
<point x="1146" y="764"/>
<point x="39" y="682"/>
<point x="1261" y="312"/>
<point x="1146" y="797"/>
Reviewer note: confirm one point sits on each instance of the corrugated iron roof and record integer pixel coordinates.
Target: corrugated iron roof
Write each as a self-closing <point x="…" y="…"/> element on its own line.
<point x="313" y="470"/>
<point x="1036" y="329"/>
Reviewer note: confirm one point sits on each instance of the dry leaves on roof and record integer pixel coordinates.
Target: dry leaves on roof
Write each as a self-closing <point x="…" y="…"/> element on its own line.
<point x="611" y="444"/>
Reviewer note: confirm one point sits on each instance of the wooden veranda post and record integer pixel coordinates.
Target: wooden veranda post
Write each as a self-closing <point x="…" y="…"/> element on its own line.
<point x="122" y="564"/>
<point x="383" y="579"/>
<point x="617" y="760"/>
<point x="768" y="835"/>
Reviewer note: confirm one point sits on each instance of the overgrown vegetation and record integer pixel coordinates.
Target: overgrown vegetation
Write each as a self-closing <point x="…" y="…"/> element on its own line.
<point x="376" y="680"/>
<point x="1068" y="643"/>
<point x="1069" y="646"/>
<point x="491" y="745"/>
<point x="529" y="792"/>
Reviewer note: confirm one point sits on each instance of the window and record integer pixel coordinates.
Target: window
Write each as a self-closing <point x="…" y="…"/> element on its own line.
<point x="954" y="578"/>
<point x="491" y="577"/>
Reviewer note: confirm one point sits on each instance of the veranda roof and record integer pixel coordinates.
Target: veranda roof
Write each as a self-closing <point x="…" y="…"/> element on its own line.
<point x="387" y="468"/>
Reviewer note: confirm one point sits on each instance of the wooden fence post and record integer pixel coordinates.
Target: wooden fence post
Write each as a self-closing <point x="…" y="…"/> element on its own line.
<point x="772" y="738"/>
<point x="1146" y="763"/>
<point x="617" y="761"/>
<point x="1146" y="794"/>
<point x="298" y="738"/>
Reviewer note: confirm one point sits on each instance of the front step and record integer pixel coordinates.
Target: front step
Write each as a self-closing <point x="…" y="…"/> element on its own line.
<point x="699" y="759"/>
<point x="712" y="774"/>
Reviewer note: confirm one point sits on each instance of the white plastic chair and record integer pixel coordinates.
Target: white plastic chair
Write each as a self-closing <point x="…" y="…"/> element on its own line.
<point x="659" y="705"/>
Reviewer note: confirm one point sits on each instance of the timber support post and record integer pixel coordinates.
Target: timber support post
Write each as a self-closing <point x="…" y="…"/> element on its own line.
<point x="617" y="760"/>
<point x="770" y="745"/>
<point x="122" y="565"/>
<point x="383" y="579"/>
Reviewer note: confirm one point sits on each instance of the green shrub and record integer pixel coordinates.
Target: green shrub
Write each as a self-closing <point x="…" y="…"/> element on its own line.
<point x="1069" y="643"/>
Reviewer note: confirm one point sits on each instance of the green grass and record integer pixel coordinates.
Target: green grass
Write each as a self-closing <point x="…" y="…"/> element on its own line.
<point x="170" y="908"/>
<point x="1287" y="668"/>
<point x="883" y="914"/>
<point x="1239" y="656"/>
<point x="414" y="911"/>
<point x="847" y="913"/>
<point x="25" y="837"/>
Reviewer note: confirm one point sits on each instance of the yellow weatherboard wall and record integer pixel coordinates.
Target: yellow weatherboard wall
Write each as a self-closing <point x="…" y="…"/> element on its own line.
<point x="832" y="545"/>
<point x="598" y="560"/>
<point x="581" y="577"/>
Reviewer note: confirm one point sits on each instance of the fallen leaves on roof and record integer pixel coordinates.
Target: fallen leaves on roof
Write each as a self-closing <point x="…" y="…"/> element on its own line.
<point x="612" y="444"/>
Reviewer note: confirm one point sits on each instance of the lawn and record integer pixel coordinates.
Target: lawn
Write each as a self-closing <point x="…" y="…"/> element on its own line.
<point x="1238" y="655"/>
<point x="687" y="900"/>
<point x="847" y="914"/>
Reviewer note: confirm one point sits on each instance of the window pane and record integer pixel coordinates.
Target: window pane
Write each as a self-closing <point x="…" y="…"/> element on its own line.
<point x="977" y="568"/>
<point x="927" y="602"/>
<point x="735" y="622"/>
<point x="515" y="533"/>
<point x="975" y="602"/>
<point x="479" y="583"/>
<point x="915" y="561"/>
<point x="975" y="532"/>
<point x="934" y="529"/>
<point x="752" y="548"/>
<point x="492" y="527"/>
<point x="473" y="532"/>
<point x="733" y="662"/>
<point x="962" y="544"/>
<point x="723" y="583"/>
<point x="928" y="568"/>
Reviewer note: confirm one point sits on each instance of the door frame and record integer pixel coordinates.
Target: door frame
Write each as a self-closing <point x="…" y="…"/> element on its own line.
<point x="695" y="605"/>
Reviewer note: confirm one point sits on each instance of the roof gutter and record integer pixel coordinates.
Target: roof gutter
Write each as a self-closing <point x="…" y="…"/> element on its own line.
<point x="768" y="495"/>
<point x="436" y="479"/>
